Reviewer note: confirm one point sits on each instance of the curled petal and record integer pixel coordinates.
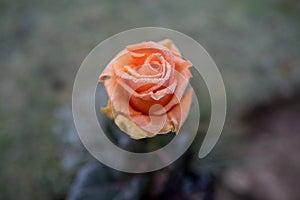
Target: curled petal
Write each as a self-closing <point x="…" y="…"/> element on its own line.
<point x="148" y="48"/>
<point x="182" y="82"/>
<point x="178" y="114"/>
<point x="171" y="46"/>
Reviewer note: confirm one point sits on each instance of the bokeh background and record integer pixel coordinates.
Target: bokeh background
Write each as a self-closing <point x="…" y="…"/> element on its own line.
<point x="254" y="43"/>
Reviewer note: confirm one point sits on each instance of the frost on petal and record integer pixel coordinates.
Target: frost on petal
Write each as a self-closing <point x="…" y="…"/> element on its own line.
<point x="171" y="46"/>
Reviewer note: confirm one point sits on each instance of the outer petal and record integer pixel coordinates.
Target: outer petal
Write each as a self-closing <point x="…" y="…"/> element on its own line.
<point x="180" y="63"/>
<point x="109" y="71"/>
<point x="131" y="125"/>
<point x="137" y="126"/>
<point x="172" y="121"/>
<point x="152" y="125"/>
<point x="171" y="46"/>
<point x="178" y="114"/>
<point x="120" y="99"/>
<point x="131" y="128"/>
<point x="182" y="81"/>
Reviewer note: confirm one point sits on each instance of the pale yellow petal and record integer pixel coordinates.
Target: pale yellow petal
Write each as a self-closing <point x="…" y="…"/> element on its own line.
<point x="131" y="128"/>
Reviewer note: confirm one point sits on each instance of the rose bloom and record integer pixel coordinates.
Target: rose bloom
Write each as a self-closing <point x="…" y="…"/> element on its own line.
<point x="146" y="86"/>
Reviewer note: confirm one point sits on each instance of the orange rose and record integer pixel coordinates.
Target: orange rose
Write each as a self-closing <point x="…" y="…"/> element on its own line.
<point x="145" y="84"/>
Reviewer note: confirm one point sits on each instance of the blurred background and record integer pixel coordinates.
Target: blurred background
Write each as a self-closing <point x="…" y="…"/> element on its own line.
<point x="254" y="43"/>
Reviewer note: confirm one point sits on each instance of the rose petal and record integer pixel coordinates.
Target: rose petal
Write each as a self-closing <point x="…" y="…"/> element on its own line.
<point x="178" y="114"/>
<point x="181" y="64"/>
<point x="150" y="124"/>
<point x="171" y="46"/>
<point x="144" y="104"/>
<point x="119" y="97"/>
<point x="148" y="48"/>
<point x="175" y="117"/>
<point x="108" y="71"/>
<point x="182" y="79"/>
<point x="129" y="127"/>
